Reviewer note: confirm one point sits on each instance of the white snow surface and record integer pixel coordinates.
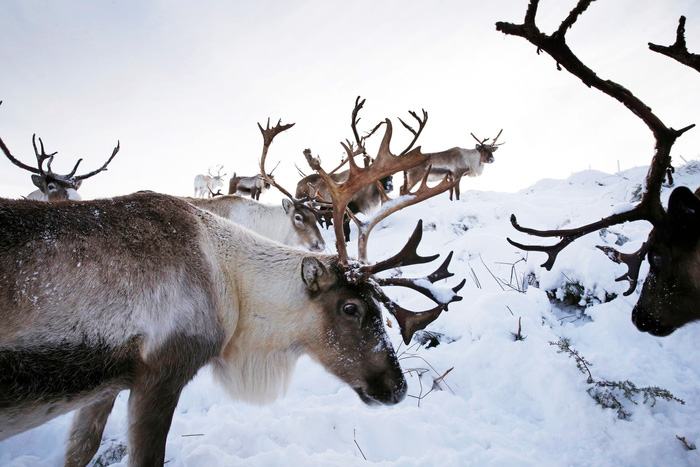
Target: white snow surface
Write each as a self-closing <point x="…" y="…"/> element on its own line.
<point x="506" y="402"/>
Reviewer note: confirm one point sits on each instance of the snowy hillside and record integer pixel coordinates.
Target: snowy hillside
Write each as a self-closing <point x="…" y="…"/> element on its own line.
<point x="506" y="402"/>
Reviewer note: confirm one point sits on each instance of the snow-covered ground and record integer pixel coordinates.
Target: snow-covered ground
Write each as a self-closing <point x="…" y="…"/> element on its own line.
<point x="505" y="402"/>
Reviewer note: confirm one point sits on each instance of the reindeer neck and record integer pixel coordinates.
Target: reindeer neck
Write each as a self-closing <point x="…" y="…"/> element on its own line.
<point x="270" y="313"/>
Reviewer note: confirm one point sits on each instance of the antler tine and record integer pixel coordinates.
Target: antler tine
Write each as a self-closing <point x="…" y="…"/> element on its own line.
<point x="359" y="103"/>
<point x="420" y="284"/>
<point x="493" y="143"/>
<point x="679" y="50"/>
<point x="16" y="161"/>
<point x="410" y="321"/>
<point x="275" y="168"/>
<point x="41" y="156"/>
<point x="406" y="257"/>
<point x="633" y="261"/>
<point x="104" y="166"/>
<point x="268" y="135"/>
<point x="477" y="139"/>
<point x="416" y="133"/>
<point x="569" y="235"/>
<point x="66" y="178"/>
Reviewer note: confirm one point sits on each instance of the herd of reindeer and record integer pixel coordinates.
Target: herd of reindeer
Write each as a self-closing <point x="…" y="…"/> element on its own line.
<point x="140" y="291"/>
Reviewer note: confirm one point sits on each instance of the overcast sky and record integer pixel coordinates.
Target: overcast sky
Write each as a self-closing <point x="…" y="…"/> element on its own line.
<point x="182" y="85"/>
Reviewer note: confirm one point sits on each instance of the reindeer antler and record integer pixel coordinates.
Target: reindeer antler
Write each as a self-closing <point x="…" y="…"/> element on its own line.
<point x="384" y="164"/>
<point x="268" y="135"/>
<point x="678" y="50"/>
<point x="482" y="143"/>
<point x="649" y="208"/>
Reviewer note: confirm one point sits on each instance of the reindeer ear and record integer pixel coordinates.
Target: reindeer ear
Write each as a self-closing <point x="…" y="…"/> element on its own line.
<point x="684" y="211"/>
<point x="38" y="182"/>
<point x="287" y="205"/>
<point x="315" y="275"/>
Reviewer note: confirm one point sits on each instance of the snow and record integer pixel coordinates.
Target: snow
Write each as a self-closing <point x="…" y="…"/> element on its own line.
<point x="506" y="402"/>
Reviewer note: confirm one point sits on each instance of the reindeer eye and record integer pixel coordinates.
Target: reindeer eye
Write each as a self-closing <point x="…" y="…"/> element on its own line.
<point x="351" y="309"/>
<point x="298" y="218"/>
<point x="656" y="260"/>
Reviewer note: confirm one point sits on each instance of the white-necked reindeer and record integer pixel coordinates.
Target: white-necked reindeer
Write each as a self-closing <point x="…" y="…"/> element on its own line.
<point x="52" y="186"/>
<point x="146" y="289"/>
<point x="293" y="223"/>
<point x="455" y="163"/>
<point x="252" y="186"/>
<point x="206" y="186"/>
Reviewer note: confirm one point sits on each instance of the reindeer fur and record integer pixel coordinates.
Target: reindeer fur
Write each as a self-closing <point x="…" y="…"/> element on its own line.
<point x="139" y="292"/>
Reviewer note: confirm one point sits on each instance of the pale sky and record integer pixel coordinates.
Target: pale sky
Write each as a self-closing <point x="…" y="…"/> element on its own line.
<point x="182" y="85"/>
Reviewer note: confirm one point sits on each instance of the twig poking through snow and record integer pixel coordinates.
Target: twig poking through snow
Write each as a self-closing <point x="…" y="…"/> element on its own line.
<point x="686" y="444"/>
<point x="518" y="336"/>
<point x="358" y="446"/>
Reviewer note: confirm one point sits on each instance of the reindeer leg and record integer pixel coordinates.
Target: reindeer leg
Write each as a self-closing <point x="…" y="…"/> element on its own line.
<point x="346" y="228"/>
<point x="459" y="180"/>
<point x="86" y="432"/>
<point x="151" y="406"/>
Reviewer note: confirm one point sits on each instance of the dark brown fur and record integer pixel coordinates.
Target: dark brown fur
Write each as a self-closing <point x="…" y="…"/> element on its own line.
<point x="670" y="295"/>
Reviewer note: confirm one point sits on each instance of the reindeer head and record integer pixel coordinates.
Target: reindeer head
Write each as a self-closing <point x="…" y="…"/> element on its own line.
<point x="304" y="222"/>
<point x="670" y="296"/>
<point x="54" y="186"/>
<point x="485" y="149"/>
<point x="354" y="345"/>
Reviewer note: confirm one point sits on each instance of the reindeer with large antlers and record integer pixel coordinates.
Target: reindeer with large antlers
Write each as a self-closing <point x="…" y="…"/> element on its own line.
<point x="52" y="186"/>
<point x="454" y="163"/>
<point x="671" y="291"/>
<point x="148" y="289"/>
<point x="373" y="195"/>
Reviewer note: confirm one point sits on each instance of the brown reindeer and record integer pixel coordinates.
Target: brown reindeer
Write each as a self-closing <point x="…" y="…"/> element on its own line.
<point x="370" y="198"/>
<point x="671" y="292"/>
<point x="52" y="186"/>
<point x="139" y="292"/>
<point x="455" y="163"/>
<point x="252" y="186"/>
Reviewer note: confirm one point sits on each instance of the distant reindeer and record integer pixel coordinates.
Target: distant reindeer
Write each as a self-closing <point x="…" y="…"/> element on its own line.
<point x="455" y="163"/>
<point x="292" y="223"/>
<point x="252" y="186"/>
<point x="206" y="186"/>
<point x="52" y="186"/>
<point x="140" y="292"/>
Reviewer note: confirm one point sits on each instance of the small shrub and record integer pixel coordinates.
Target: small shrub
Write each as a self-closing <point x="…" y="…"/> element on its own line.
<point x="613" y="394"/>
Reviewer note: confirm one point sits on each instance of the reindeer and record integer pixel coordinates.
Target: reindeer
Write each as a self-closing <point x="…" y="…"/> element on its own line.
<point x="671" y="292"/>
<point x="52" y="186"/>
<point x="455" y="163"/>
<point x="254" y="185"/>
<point x="293" y="223"/>
<point x="206" y="186"/>
<point x="370" y="198"/>
<point x="141" y="291"/>
<point x="365" y="201"/>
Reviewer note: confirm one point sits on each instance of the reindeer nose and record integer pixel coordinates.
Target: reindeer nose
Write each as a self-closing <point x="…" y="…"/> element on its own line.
<point x="318" y="246"/>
